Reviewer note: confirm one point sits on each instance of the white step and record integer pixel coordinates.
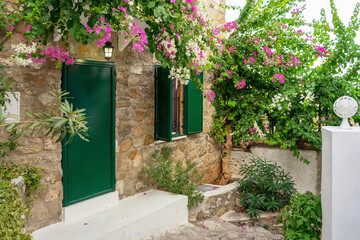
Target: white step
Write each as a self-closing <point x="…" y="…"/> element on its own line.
<point x="90" y="206"/>
<point x="130" y="219"/>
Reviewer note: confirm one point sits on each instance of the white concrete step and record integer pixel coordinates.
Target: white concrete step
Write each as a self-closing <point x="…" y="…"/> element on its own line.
<point x="85" y="208"/>
<point x="131" y="218"/>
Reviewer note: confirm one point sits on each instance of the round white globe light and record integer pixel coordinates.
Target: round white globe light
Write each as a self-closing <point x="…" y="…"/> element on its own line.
<point x="345" y="107"/>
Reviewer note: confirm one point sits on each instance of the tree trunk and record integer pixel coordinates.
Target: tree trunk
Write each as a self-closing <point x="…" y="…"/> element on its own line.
<point x="225" y="176"/>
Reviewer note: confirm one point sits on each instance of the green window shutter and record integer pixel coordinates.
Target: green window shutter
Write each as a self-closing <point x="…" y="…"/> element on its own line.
<point x="163" y="104"/>
<point x="193" y="109"/>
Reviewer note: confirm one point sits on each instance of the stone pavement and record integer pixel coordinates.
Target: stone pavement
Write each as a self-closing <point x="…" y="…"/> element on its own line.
<point x="215" y="229"/>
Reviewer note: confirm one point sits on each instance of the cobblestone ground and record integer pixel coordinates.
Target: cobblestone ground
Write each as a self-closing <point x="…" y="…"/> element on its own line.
<point x="215" y="229"/>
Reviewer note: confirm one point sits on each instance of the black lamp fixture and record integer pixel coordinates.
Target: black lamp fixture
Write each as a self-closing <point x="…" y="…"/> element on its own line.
<point x="108" y="50"/>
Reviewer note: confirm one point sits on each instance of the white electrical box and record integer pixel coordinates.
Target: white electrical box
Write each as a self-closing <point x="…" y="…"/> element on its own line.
<point x="12" y="107"/>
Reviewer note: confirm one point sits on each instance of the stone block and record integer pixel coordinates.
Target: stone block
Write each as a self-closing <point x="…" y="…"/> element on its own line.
<point x="120" y="187"/>
<point x="133" y="80"/>
<point x="140" y="116"/>
<point x="19" y="182"/>
<point x="138" y="142"/>
<point x="53" y="192"/>
<point x="149" y="139"/>
<point x="139" y="130"/>
<point x="124" y="129"/>
<point x="137" y="161"/>
<point x="133" y="93"/>
<point x="125" y="145"/>
<point x="133" y="154"/>
<point x="221" y="211"/>
<point x="51" y="144"/>
<point x="38" y="211"/>
<point x="193" y="154"/>
<point x="123" y="102"/>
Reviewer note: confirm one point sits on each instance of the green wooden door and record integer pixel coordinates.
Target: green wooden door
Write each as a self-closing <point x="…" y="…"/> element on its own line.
<point x="89" y="167"/>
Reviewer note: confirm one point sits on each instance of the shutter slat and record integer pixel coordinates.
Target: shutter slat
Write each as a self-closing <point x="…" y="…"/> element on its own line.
<point x="193" y="111"/>
<point x="163" y="104"/>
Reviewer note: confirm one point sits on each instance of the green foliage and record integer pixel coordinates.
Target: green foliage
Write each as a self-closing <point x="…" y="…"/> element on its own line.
<point x="319" y="65"/>
<point x="12" y="213"/>
<point x="302" y="218"/>
<point x="264" y="186"/>
<point x="165" y="20"/>
<point x="12" y="208"/>
<point x="31" y="175"/>
<point x="62" y="121"/>
<point x="180" y="180"/>
<point x="7" y="147"/>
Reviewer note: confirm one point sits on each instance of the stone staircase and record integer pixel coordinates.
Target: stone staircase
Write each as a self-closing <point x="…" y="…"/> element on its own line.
<point x="215" y="228"/>
<point x="128" y="219"/>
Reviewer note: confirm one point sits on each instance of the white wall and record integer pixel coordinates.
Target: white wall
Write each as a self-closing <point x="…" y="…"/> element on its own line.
<point x="340" y="197"/>
<point x="306" y="176"/>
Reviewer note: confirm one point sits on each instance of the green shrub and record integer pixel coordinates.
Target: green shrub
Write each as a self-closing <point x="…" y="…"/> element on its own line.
<point x="30" y="174"/>
<point x="12" y="212"/>
<point x="12" y="208"/>
<point x="302" y="218"/>
<point x="180" y="180"/>
<point x="264" y="186"/>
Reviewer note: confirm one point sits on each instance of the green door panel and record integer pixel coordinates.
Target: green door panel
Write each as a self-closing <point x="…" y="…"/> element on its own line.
<point x="163" y="104"/>
<point x="193" y="111"/>
<point x="89" y="166"/>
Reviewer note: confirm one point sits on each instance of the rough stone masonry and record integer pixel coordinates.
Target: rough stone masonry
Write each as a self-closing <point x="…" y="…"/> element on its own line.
<point x="134" y="121"/>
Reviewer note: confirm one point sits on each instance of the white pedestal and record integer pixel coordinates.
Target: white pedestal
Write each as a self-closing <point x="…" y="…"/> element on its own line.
<point x="340" y="183"/>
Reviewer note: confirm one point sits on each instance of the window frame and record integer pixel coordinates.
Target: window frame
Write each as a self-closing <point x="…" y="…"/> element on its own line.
<point x="163" y="102"/>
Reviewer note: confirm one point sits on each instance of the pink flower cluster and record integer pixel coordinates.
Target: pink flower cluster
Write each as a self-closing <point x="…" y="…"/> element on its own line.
<point x="139" y="37"/>
<point x="241" y="84"/>
<point x="321" y="51"/>
<point x="252" y="130"/>
<point x="55" y="54"/>
<point x="210" y="95"/>
<point x="295" y="11"/>
<point x="106" y="38"/>
<point x="229" y="25"/>
<point x="279" y="77"/>
<point x="268" y="51"/>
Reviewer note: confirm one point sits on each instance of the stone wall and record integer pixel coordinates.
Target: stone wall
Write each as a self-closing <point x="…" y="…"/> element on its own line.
<point x="134" y="123"/>
<point x="217" y="201"/>
<point x="307" y="177"/>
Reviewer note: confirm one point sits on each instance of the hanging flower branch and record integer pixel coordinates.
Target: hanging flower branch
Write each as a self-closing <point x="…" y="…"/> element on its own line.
<point x="180" y="34"/>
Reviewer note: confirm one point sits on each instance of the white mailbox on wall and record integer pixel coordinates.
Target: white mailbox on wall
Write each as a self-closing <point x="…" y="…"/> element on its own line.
<point x="12" y="107"/>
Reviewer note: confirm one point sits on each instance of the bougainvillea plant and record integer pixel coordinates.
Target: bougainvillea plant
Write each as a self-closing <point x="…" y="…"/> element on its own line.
<point x="279" y="76"/>
<point x="179" y="32"/>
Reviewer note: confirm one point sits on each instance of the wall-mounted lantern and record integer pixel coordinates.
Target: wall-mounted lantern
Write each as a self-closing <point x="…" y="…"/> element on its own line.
<point x="108" y="50"/>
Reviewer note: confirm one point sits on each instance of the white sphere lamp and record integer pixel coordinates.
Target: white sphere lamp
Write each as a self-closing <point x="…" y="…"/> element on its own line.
<point x="345" y="107"/>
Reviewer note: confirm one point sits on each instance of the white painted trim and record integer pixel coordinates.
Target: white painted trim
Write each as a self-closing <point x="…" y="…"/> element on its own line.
<point x="12" y="107"/>
<point x="173" y="139"/>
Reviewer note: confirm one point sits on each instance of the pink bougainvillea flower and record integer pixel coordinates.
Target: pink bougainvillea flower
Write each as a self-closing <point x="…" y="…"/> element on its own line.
<point x="279" y="77"/>
<point x="28" y="28"/>
<point x="88" y="29"/>
<point x="241" y="84"/>
<point x="97" y="29"/>
<point x="251" y="60"/>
